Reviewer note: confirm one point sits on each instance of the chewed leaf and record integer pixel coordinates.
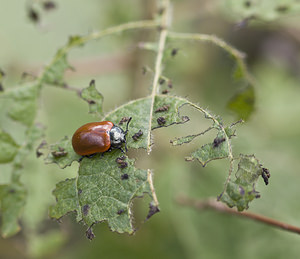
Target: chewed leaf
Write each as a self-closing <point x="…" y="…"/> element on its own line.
<point x="8" y="147"/>
<point x="166" y="111"/>
<point x="187" y="139"/>
<point x="102" y="192"/>
<point x="139" y="110"/>
<point x="183" y="140"/>
<point x="108" y="182"/>
<point x="243" y="103"/>
<point x="24" y="106"/>
<point x="61" y="153"/>
<point x="67" y="199"/>
<point x="93" y="97"/>
<point x="218" y="149"/>
<point x="241" y="190"/>
<point x="12" y="201"/>
<point x="54" y="72"/>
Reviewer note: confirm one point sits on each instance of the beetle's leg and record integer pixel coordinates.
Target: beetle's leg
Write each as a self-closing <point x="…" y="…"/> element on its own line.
<point x="123" y="150"/>
<point x="88" y="156"/>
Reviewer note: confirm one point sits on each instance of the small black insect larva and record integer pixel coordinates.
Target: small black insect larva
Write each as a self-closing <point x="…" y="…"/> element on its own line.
<point x="123" y="165"/>
<point x="174" y="52"/>
<point x="120" y="159"/>
<point x="121" y="162"/>
<point x="218" y="141"/>
<point x="170" y="84"/>
<point x="124" y="176"/>
<point x="265" y="174"/>
<point x="124" y="119"/>
<point x="247" y="3"/>
<point x="161" y="120"/>
<point x="162" y="108"/>
<point x="161" y="81"/>
<point x="49" y="5"/>
<point x="85" y="209"/>
<point x="33" y="15"/>
<point x="58" y="154"/>
<point x="120" y="211"/>
<point x="137" y="135"/>
<point x="90" y="234"/>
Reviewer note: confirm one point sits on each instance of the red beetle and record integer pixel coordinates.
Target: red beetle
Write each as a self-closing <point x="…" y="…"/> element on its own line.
<point x="98" y="137"/>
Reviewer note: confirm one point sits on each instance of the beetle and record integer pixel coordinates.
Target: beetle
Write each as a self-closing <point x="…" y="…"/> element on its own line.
<point x="98" y="137"/>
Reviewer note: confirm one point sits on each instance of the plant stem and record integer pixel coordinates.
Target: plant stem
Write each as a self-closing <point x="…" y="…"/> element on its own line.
<point x="150" y="181"/>
<point x="218" y="206"/>
<point x="158" y="63"/>
<point x="144" y="24"/>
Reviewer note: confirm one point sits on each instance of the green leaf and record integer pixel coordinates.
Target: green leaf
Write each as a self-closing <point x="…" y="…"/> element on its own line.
<point x="8" y="147"/>
<point x="239" y="72"/>
<point x="12" y="201"/>
<point x="66" y="194"/>
<point x="102" y="192"/>
<point x="105" y="188"/>
<point x="219" y="149"/>
<point x="61" y="153"/>
<point x="139" y="110"/>
<point x="171" y="115"/>
<point x="24" y="106"/>
<point x="54" y="73"/>
<point x="266" y="10"/>
<point x="93" y="98"/>
<point x="241" y="190"/>
<point x="242" y="103"/>
<point x="183" y="140"/>
<point x="188" y="139"/>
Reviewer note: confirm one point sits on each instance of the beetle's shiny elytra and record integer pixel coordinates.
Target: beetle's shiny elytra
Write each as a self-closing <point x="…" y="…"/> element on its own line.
<point x="98" y="137"/>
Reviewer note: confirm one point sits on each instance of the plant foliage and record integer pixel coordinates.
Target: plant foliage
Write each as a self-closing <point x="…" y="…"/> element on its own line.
<point x="104" y="190"/>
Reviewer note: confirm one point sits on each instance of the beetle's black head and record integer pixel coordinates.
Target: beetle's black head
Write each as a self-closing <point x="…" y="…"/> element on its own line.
<point x="118" y="136"/>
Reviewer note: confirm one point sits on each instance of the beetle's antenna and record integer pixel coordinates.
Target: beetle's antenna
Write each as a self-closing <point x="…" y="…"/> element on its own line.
<point x="125" y="133"/>
<point x="129" y="120"/>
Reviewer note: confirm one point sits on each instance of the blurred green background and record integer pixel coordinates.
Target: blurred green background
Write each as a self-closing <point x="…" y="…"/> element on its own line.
<point x="201" y="72"/>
